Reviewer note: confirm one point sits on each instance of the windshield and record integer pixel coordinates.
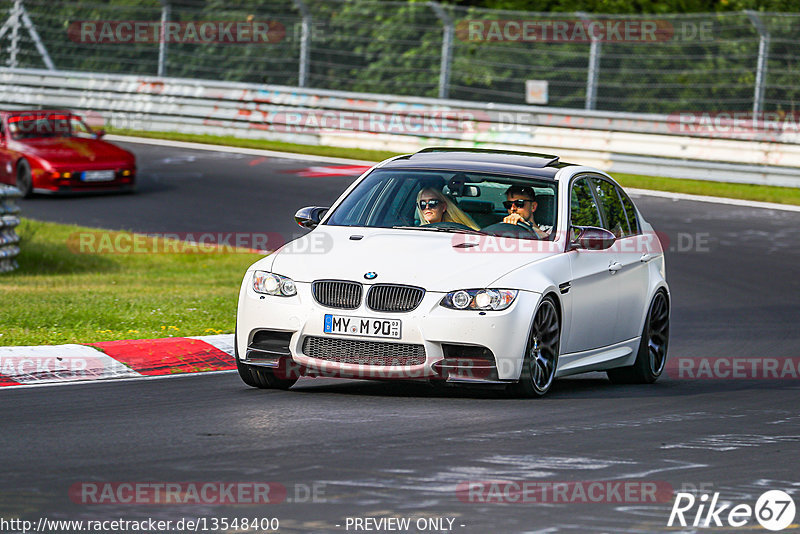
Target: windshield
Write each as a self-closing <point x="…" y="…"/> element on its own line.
<point x="451" y="202"/>
<point x="38" y="125"/>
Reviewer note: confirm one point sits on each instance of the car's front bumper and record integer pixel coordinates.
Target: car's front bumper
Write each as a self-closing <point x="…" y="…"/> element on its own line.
<point x="504" y="333"/>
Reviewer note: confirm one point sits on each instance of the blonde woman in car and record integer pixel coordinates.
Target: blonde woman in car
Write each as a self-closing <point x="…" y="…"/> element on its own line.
<point x="434" y="207"/>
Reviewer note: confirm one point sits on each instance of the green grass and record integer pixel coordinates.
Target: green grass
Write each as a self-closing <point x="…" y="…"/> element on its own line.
<point x="61" y="295"/>
<point x="780" y="195"/>
<point x="763" y="193"/>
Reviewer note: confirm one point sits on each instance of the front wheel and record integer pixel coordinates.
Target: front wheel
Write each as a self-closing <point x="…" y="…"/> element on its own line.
<point x="24" y="181"/>
<point x="262" y="377"/>
<point x="541" y="353"/>
<point x="259" y="377"/>
<point x="652" y="355"/>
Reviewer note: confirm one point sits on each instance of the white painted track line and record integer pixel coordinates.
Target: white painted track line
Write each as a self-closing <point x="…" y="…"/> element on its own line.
<point x="236" y="150"/>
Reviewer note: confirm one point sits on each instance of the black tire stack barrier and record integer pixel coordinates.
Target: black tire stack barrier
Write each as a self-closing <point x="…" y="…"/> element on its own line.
<point x="9" y="220"/>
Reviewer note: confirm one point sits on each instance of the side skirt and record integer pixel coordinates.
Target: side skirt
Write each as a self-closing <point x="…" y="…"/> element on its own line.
<point x="619" y="355"/>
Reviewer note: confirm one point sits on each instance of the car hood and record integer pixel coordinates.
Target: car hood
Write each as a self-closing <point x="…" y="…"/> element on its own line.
<point x="437" y="261"/>
<point x="71" y="150"/>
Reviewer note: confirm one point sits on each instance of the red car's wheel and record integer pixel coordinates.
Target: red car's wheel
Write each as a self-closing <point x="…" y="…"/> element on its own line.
<point x="24" y="182"/>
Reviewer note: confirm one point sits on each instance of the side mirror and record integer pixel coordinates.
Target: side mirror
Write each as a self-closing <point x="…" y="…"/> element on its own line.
<point x="99" y="134"/>
<point x="592" y="238"/>
<point x="310" y="216"/>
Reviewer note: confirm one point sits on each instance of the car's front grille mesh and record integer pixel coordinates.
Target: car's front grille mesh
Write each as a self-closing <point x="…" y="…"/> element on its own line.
<point x="337" y="293"/>
<point x="363" y="352"/>
<point x="394" y="298"/>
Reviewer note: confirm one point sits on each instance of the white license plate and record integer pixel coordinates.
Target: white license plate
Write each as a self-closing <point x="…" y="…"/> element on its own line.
<point x="98" y="176"/>
<point x="361" y="326"/>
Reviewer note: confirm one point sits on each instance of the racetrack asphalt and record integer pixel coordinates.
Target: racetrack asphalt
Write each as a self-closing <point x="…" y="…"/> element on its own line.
<point x="388" y="449"/>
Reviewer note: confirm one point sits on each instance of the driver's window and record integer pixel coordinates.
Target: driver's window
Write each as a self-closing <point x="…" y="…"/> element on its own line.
<point x="583" y="208"/>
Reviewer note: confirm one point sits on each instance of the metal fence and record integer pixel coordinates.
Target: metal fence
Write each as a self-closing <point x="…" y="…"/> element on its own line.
<point x="9" y="220"/>
<point x="736" y="61"/>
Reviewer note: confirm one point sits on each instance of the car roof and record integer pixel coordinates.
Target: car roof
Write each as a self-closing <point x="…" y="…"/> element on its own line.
<point x="509" y="162"/>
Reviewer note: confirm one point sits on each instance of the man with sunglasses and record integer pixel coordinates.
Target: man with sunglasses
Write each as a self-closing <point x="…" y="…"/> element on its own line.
<point x="521" y="203"/>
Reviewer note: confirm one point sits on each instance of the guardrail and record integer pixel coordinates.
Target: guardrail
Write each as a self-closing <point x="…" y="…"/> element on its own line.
<point x="9" y="220"/>
<point x="681" y="146"/>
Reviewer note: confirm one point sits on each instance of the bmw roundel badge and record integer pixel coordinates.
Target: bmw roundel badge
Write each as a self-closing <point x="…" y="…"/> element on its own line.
<point x="371" y="275"/>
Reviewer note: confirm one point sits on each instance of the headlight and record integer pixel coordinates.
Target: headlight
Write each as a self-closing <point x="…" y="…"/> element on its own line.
<point x="479" y="299"/>
<point x="273" y="284"/>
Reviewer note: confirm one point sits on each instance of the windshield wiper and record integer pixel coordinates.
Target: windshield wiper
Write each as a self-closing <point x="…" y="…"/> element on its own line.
<point x="440" y="229"/>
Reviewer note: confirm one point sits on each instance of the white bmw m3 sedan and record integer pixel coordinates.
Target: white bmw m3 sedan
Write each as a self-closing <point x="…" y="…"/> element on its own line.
<point x="462" y="266"/>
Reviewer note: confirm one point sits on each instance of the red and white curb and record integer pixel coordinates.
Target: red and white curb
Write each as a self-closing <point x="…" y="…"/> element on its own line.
<point x="115" y="359"/>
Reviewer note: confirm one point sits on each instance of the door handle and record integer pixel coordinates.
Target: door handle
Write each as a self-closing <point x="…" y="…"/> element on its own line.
<point x="614" y="267"/>
<point x="647" y="257"/>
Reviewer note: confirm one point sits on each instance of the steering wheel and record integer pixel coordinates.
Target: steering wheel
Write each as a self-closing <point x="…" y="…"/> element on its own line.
<point x="510" y="230"/>
<point x="449" y="224"/>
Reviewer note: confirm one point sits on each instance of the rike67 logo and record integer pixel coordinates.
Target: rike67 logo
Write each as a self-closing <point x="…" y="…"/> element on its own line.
<point x="774" y="510"/>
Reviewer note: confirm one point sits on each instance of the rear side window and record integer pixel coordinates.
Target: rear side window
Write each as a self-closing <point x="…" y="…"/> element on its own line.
<point x="583" y="208"/>
<point x="616" y="221"/>
<point x="630" y="212"/>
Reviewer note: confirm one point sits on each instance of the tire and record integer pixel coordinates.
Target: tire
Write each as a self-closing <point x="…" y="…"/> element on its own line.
<point x="652" y="355"/>
<point x="259" y="377"/>
<point x="262" y="377"/>
<point x="245" y="374"/>
<point x="24" y="181"/>
<point x="541" y="353"/>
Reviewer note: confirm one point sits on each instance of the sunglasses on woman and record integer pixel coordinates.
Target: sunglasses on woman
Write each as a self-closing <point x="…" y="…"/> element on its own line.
<point x="432" y="204"/>
<point x="520" y="203"/>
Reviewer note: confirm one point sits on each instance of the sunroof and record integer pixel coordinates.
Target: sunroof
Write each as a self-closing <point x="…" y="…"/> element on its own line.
<point x="528" y="159"/>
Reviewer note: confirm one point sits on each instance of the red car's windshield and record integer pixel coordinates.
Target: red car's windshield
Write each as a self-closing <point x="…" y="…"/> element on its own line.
<point x="38" y="125"/>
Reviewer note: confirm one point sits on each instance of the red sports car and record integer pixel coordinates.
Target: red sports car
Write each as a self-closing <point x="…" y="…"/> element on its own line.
<point x="56" y="152"/>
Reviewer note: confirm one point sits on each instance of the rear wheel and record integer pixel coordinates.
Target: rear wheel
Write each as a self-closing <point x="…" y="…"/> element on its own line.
<point x="24" y="182"/>
<point x="259" y="377"/>
<point x="541" y="352"/>
<point x="652" y="355"/>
